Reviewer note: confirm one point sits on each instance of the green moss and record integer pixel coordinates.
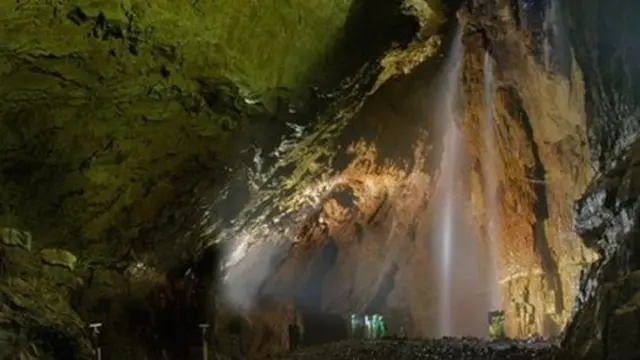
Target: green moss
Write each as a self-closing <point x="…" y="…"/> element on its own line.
<point x="259" y="44"/>
<point x="256" y="44"/>
<point x="59" y="257"/>
<point x="113" y="112"/>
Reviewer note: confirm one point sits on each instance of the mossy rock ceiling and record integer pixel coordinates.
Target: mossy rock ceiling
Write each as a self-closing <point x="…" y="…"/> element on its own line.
<point x="114" y="113"/>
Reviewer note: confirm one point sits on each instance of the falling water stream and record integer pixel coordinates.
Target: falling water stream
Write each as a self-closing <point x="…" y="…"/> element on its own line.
<point x="556" y="47"/>
<point x="445" y="233"/>
<point x="466" y="293"/>
<point x="490" y="171"/>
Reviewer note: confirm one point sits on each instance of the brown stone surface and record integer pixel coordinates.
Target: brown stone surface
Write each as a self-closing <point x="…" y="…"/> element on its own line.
<point x="374" y="233"/>
<point x="543" y="166"/>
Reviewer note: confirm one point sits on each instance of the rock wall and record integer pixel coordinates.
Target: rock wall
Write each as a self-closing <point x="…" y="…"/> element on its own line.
<point x="121" y="120"/>
<point x="605" y="325"/>
<point x="109" y="113"/>
<point x="36" y="289"/>
<point x="363" y="247"/>
<point x="543" y="163"/>
<point x="603" y="38"/>
<point x="368" y="243"/>
<point x="605" y="321"/>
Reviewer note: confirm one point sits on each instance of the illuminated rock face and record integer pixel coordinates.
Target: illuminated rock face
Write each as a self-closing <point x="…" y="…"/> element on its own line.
<point x="378" y="226"/>
<point x="543" y="166"/>
<point x="365" y="250"/>
<point x="549" y="133"/>
<point x="369" y="240"/>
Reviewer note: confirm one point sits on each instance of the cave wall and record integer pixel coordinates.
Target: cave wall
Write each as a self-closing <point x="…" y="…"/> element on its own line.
<point x="552" y="134"/>
<point x="604" y="324"/>
<point x="121" y="120"/>
<point x="109" y="112"/>
<point x="603" y="38"/>
<point x="364" y="249"/>
<point x="605" y="321"/>
<point x="117" y="115"/>
<point x="380" y="242"/>
<point x="543" y="165"/>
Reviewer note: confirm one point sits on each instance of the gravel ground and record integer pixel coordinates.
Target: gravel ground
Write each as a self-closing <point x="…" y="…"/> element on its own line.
<point x="445" y="348"/>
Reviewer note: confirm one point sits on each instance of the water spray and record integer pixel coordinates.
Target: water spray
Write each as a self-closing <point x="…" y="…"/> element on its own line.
<point x="446" y="232"/>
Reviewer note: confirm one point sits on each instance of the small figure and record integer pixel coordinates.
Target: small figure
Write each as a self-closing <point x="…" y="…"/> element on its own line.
<point x="496" y="324"/>
<point x="381" y="327"/>
<point x="357" y="327"/>
<point x="353" y="325"/>
<point x="367" y="327"/>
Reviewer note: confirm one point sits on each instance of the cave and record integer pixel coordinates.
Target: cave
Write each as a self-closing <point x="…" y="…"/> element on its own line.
<point x="222" y="180"/>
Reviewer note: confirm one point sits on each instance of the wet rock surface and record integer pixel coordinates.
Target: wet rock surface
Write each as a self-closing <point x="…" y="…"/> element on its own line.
<point x="608" y="62"/>
<point x="445" y="348"/>
<point x="541" y="164"/>
<point x="605" y="325"/>
<point x="607" y="312"/>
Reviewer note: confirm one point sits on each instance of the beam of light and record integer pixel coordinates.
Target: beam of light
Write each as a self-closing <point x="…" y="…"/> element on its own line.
<point x="252" y="248"/>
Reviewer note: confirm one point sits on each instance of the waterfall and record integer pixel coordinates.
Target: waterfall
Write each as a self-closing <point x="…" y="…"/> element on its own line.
<point x="445" y="235"/>
<point x="490" y="171"/>
<point x="556" y="45"/>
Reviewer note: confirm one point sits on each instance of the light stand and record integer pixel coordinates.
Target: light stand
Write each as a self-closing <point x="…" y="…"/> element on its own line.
<point x="95" y="327"/>
<point x="205" y="348"/>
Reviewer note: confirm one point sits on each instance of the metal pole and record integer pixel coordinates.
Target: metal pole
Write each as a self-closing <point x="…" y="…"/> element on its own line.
<point x="96" y="334"/>
<point x="205" y="348"/>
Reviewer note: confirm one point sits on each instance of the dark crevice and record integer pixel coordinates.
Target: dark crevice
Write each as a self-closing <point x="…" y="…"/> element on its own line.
<point x="359" y="232"/>
<point x="382" y="204"/>
<point x="344" y="195"/>
<point x="537" y="174"/>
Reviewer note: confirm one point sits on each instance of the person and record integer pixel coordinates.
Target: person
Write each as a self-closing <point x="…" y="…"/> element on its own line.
<point x="375" y="324"/>
<point x="382" y="327"/>
<point x="352" y="326"/>
<point x="367" y="327"/>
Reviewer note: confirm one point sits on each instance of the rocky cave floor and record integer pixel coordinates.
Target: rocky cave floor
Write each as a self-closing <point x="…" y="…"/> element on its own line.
<point x="444" y="348"/>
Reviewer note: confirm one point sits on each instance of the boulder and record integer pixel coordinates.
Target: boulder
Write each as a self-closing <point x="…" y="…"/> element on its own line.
<point x="59" y="257"/>
<point x="15" y="237"/>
